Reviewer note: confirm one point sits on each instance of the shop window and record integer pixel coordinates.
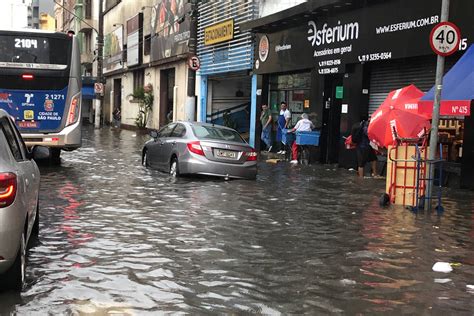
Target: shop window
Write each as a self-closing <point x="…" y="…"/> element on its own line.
<point x="294" y="89"/>
<point x="451" y="137"/>
<point x="138" y="79"/>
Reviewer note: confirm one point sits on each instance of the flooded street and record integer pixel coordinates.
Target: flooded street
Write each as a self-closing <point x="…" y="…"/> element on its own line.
<point x="118" y="238"/>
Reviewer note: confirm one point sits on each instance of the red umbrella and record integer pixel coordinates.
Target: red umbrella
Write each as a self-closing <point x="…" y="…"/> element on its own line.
<point x="398" y="117"/>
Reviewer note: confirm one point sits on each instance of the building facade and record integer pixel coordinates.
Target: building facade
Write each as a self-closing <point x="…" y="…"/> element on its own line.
<point x="146" y="45"/>
<point x="226" y="61"/>
<point x="81" y="16"/>
<point x="338" y="61"/>
<point x="47" y="22"/>
<point x="33" y="15"/>
<point x="14" y="14"/>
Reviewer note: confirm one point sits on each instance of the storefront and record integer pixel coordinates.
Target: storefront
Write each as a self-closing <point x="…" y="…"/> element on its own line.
<point x="355" y="56"/>
<point x="226" y="56"/>
<point x="88" y="95"/>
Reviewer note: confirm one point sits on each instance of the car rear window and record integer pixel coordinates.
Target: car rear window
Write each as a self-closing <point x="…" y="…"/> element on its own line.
<point x="216" y="133"/>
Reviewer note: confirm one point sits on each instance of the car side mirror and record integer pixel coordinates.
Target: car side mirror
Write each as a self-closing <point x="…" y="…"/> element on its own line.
<point x="154" y="134"/>
<point x="39" y="152"/>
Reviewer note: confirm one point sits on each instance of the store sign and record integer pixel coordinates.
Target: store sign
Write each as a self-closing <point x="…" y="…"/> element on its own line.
<point x="219" y="32"/>
<point x="263" y="47"/>
<point x="447" y="108"/>
<point x="113" y="48"/>
<point x="134" y="34"/>
<point x="170" y="35"/>
<point x="363" y="35"/>
<point x="339" y="92"/>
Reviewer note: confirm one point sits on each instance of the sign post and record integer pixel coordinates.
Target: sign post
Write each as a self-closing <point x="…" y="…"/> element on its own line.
<point x="444" y="40"/>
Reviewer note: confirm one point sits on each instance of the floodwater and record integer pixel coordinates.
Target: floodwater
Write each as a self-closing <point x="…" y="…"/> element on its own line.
<point x="118" y="238"/>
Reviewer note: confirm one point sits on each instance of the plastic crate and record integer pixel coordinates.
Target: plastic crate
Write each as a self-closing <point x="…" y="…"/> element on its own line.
<point x="308" y="138"/>
<point x="287" y="138"/>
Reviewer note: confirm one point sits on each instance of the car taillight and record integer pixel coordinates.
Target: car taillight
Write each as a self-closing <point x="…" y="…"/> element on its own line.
<point x="74" y="107"/>
<point x="195" y="147"/>
<point x="251" y="155"/>
<point x="7" y="189"/>
<point x="27" y="77"/>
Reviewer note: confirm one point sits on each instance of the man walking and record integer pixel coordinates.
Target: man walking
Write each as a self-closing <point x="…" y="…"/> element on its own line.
<point x="266" y="120"/>
<point x="283" y="123"/>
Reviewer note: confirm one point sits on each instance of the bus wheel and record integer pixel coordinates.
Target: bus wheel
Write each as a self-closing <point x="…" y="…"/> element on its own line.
<point x="56" y="156"/>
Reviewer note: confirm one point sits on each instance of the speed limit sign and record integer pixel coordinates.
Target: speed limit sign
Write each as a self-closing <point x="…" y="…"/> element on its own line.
<point x="444" y="38"/>
<point x="194" y="63"/>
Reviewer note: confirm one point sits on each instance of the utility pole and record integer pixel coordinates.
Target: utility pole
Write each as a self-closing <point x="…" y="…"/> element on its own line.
<point x="435" y="117"/>
<point x="100" y="66"/>
<point x="191" y="110"/>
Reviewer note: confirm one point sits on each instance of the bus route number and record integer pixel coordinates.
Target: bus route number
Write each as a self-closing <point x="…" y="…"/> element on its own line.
<point x="26" y="43"/>
<point x="54" y="97"/>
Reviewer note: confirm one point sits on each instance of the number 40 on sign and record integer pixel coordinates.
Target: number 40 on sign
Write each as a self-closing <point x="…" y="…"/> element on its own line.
<point x="444" y="38"/>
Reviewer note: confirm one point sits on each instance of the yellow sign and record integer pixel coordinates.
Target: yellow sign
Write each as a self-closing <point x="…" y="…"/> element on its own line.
<point x="29" y="115"/>
<point x="219" y="32"/>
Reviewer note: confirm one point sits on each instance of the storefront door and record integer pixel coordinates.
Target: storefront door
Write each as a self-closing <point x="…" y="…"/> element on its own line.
<point x="331" y="120"/>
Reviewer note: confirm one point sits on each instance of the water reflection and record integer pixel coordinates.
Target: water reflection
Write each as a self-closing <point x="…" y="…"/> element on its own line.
<point x="118" y="238"/>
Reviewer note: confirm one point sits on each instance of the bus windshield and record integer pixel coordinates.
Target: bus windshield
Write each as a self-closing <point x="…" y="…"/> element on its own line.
<point x="29" y="50"/>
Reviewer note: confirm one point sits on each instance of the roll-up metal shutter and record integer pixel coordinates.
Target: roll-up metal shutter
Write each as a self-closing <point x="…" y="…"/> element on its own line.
<point x="391" y="75"/>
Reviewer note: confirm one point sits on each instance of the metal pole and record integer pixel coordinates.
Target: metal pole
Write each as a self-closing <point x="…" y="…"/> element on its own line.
<point x="435" y="117"/>
<point x="100" y="65"/>
<point x="191" y="95"/>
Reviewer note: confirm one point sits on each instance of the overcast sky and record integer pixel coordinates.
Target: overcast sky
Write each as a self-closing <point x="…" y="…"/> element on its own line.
<point x="46" y="6"/>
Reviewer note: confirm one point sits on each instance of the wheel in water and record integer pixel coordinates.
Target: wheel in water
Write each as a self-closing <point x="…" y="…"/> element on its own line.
<point x="174" y="168"/>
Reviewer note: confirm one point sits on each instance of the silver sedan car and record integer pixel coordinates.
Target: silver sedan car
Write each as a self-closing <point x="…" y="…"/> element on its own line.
<point x="19" y="219"/>
<point x="200" y="148"/>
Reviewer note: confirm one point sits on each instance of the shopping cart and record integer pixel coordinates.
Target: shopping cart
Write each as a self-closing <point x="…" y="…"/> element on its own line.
<point x="304" y="140"/>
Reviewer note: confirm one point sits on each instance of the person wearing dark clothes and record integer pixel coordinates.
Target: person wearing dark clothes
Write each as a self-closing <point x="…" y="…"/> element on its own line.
<point x="365" y="153"/>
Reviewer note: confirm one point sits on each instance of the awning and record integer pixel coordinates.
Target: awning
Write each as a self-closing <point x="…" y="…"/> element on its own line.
<point x="88" y="92"/>
<point x="458" y="89"/>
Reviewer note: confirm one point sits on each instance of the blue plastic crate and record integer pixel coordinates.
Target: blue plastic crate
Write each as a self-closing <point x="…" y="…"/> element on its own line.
<point x="287" y="138"/>
<point x="308" y="138"/>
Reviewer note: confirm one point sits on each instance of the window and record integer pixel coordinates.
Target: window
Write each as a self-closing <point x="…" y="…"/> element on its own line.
<point x="179" y="131"/>
<point x="88" y="13"/>
<point x="109" y="4"/>
<point x="217" y="133"/>
<point x="166" y="131"/>
<point x="11" y="139"/>
<point x="124" y="54"/>
<point x="138" y="79"/>
<point x="147" y="45"/>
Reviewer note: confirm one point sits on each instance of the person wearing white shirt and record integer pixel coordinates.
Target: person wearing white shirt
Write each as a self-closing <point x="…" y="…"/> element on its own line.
<point x="303" y="125"/>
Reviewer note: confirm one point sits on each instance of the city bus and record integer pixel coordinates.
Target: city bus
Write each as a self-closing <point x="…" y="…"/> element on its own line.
<point x="40" y="87"/>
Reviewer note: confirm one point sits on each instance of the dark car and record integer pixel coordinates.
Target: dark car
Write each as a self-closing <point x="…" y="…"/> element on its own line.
<point x="200" y="148"/>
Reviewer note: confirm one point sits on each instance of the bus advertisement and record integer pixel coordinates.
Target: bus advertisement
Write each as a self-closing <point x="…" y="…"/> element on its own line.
<point x="40" y="87"/>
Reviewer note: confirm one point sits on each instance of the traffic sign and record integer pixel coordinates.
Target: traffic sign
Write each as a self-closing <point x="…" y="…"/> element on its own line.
<point x="99" y="88"/>
<point x="444" y="38"/>
<point x="194" y="63"/>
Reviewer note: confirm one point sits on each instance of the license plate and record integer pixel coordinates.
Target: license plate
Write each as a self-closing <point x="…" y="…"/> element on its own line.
<point x="28" y="124"/>
<point x="226" y="154"/>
